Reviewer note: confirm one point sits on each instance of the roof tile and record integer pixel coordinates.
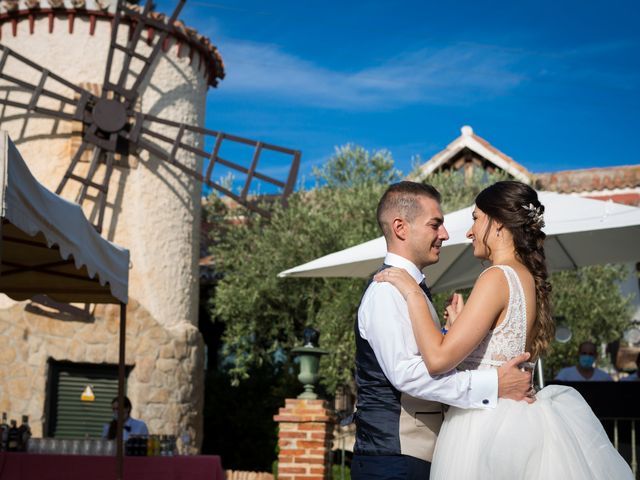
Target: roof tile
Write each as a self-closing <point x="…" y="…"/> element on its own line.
<point x="15" y="10"/>
<point x="590" y="179"/>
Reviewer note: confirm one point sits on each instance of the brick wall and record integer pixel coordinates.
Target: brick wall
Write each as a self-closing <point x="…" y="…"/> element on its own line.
<point x="305" y="438"/>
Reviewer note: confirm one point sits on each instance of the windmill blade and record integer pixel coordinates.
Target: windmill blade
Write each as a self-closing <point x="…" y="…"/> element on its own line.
<point x="102" y="200"/>
<point x="135" y="50"/>
<point x="244" y="182"/>
<point x="74" y="103"/>
<point x="87" y="180"/>
<point x="51" y="95"/>
<point x="69" y="175"/>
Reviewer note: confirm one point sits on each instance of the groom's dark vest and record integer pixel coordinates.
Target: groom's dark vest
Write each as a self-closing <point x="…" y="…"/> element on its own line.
<point x="389" y="422"/>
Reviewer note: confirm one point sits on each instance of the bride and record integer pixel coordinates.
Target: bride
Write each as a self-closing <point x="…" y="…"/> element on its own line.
<point x="507" y="313"/>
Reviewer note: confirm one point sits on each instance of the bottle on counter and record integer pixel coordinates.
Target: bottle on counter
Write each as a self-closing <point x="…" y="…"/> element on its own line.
<point x="128" y="446"/>
<point x="163" y="445"/>
<point x="150" y="446"/>
<point x="13" y="439"/>
<point x="156" y="446"/>
<point x="24" y="433"/>
<point x="4" y="433"/>
<point x="144" y="445"/>
<point x="173" y="447"/>
<point x="185" y="443"/>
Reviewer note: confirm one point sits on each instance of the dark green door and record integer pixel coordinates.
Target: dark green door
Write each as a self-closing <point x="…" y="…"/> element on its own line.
<point x="67" y="415"/>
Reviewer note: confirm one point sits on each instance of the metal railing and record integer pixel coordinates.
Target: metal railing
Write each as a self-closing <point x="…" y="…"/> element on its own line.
<point x="617" y="423"/>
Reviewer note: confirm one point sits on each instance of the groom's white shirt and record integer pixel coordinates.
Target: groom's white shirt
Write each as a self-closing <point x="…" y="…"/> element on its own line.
<point x="383" y="320"/>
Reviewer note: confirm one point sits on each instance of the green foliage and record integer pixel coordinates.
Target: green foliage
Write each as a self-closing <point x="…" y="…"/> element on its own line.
<point x="239" y="420"/>
<point x="459" y="188"/>
<point x="337" y="472"/>
<point x="352" y="167"/>
<point x="593" y="308"/>
<point x="265" y="314"/>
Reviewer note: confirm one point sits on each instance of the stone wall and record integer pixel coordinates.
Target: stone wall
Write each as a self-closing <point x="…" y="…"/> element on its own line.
<point x="160" y="384"/>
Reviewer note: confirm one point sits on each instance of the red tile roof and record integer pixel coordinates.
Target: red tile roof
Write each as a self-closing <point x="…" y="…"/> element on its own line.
<point x="191" y="36"/>
<point x="632" y="199"/>
<point x="188" y="39"/>
<point x="468" y="140"/>
<point x="590" y="180"/>
<point x="620" y="184"/>
<point x="502" y="155"/>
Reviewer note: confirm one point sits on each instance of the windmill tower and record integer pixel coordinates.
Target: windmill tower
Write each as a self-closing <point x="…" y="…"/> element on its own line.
<point x="105" y="102"/>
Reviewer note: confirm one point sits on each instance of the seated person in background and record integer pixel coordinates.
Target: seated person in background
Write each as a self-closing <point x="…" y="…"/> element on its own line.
<point x="132" y="426"/>
<point x="586" y="370"/>
<point x="635" y="376"/>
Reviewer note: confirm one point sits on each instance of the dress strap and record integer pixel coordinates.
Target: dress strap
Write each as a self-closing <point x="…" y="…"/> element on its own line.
<point x="505" y="268"/>
<point x="517" y="309"/>
<point x="489" y="268"/>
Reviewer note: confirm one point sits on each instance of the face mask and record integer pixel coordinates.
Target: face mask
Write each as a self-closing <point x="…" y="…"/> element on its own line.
<point x="586" y="361"/>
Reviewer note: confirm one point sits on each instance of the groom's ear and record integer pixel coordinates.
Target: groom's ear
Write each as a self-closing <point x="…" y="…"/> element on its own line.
<point x="400" y="228"/>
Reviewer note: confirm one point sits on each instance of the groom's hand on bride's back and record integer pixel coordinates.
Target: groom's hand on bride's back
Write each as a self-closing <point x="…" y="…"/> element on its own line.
<point x="514" y="382"/>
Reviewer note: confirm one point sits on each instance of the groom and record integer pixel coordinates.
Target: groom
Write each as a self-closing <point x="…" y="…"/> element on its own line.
<point x="399" y="408"/>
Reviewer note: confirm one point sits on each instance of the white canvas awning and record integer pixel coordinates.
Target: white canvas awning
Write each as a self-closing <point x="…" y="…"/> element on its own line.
<point x="580" y="231"/>
<point x="48" y="246"/>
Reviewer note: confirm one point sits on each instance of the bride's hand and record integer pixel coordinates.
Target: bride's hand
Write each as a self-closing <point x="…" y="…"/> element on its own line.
<point x="399" y="278"/>
<point x="454" y="306"/>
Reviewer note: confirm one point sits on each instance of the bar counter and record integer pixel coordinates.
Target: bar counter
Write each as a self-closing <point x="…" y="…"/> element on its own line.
<point x="24" y="466"/>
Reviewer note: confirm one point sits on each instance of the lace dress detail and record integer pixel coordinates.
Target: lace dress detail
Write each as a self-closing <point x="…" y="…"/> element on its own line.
<point x="508" y="339"/>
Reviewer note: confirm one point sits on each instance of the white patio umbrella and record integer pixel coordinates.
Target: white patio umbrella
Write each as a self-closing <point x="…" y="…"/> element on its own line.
<point x="580" y="231"/>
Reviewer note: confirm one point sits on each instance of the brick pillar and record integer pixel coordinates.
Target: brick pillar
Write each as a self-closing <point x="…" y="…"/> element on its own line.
<point x="305" y="438"/>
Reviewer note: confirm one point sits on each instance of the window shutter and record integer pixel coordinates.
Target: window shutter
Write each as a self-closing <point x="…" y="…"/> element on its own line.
<point x="68" y="416"/>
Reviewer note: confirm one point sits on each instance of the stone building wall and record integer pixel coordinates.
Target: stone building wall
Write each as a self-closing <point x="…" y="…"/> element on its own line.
<point x="153" y="210"/>
<point x="165" y="362"/>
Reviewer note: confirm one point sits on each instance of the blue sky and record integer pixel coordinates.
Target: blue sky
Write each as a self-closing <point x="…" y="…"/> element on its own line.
<point x="555" y="85"/>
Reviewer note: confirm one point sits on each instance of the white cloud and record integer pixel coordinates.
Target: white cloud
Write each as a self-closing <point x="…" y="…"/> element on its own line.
<point x="455" y="74"/>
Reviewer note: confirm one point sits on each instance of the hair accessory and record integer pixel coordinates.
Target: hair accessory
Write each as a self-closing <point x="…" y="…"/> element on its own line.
<point x="535" y="215"/>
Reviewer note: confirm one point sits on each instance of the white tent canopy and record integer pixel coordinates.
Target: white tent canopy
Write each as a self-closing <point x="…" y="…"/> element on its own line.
<point x="48" y="246"/>
<point x="580" y="231"/>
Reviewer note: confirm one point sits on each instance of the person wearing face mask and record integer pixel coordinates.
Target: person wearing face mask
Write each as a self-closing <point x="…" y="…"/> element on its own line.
<point x="132" y="426"/>
<point x="586" y="370"/>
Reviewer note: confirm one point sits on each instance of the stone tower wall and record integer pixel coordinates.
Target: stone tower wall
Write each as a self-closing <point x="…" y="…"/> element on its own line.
<point x="153" y="210"/>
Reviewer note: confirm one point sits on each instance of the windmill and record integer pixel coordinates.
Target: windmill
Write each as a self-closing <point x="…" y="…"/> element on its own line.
<point x="134" y="160"/>
<point x="112" y="126"/>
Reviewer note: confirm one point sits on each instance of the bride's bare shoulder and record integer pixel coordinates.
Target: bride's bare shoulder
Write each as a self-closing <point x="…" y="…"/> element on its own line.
<point x="491" y="278"/>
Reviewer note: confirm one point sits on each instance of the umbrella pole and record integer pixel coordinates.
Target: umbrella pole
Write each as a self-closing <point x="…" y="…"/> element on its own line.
<point x="540" y="373"/>
<point x="119" y="439"/>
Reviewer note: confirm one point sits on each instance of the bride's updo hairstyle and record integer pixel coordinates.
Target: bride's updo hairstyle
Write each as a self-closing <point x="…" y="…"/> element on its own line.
<point x="516" y="206"/>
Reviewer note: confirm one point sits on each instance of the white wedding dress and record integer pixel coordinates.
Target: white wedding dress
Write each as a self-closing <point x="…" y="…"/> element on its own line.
<point x="556" y="438"/>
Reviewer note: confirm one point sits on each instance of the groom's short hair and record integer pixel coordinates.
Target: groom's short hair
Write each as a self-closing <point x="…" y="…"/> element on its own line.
<point x="400" y="200"/>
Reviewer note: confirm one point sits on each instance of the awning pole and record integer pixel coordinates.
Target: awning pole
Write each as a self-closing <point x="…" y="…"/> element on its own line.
<point x="119" y="439"/>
